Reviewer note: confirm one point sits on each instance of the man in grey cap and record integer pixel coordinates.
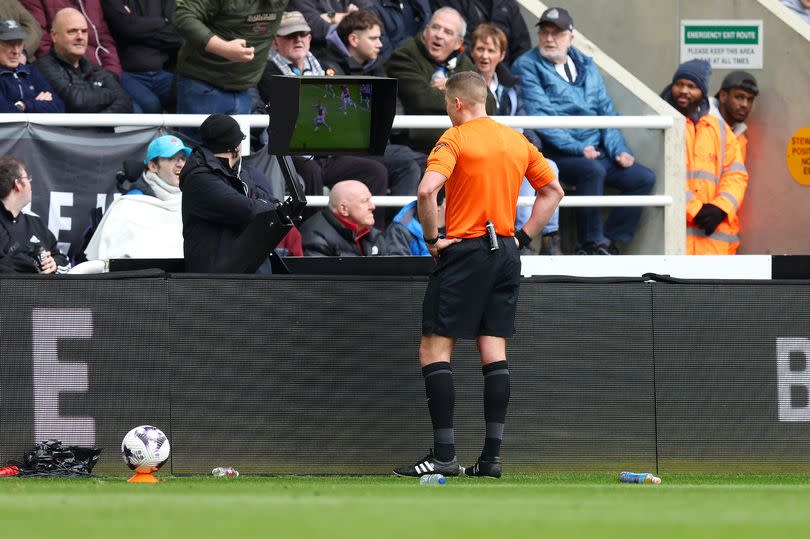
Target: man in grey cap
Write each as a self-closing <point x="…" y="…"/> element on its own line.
<point x="22" y="86"/>
<point x="734" y="102"/>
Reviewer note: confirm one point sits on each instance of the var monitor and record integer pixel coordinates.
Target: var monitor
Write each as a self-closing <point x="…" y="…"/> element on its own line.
<point x="330" y="115"/>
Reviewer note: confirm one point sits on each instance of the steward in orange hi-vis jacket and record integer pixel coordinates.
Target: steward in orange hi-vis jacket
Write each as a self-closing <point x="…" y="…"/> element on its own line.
<point x="716" y="176"/>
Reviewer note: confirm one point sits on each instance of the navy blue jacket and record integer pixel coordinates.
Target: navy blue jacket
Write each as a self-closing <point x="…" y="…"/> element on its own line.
<point x="24" y="84"/>
<point x="546" y="93"/>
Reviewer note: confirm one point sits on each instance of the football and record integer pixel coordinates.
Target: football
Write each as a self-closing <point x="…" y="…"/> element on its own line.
<point x="145" y="449"/>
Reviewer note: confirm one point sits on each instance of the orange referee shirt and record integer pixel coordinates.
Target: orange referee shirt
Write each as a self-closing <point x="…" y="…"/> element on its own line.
<point x="484" y="163"/>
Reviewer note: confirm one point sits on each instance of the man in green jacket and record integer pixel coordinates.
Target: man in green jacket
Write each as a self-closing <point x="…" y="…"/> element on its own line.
<point x="422" y="65"/>
<point x="225" y="52"/>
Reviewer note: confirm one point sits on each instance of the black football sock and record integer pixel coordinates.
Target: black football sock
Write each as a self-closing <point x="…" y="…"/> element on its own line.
<point x="441" y="398"/>
<point x="496" y="401"/>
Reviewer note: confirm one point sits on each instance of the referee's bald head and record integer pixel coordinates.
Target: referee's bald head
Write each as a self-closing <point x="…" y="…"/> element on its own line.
<point x="468" y="86"/>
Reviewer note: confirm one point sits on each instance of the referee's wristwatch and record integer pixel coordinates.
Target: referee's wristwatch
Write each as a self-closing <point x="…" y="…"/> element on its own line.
<point x="432" y="241"/>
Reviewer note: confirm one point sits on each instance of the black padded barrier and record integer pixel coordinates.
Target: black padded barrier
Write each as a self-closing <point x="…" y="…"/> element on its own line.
<point x="319" y="374"/>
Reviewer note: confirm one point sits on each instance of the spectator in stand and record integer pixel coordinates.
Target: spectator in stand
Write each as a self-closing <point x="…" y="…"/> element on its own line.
<point x="404" y="236"/>
<point x="147" y="46"/>
<point x="423" y="64"/>
<point x="12" y="10"/>
<point x="26" y="244"/>
<point x="799" y="7"/>
<point x="354" y="48"/>
<point x="324" y="15"/>
<point x="224" y="53"/>
<point x="716" y="176"/>
<point x="558" y="80"/>
<point x="401" y="20"/>
<point x="489" y="45"/>
<point x="22" y="86"/>
<point x="291" y="57"/>
<point x="734" y="102"/>
<point x="505" y="14"/>
<point x="346" y="227"/>
<point x="100" y="49"/>
<point x="147" y="224"/>
<point x="84" y="87"/>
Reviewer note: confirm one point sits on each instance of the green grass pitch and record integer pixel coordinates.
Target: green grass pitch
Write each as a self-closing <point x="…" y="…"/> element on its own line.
<point x="539" y="506"/>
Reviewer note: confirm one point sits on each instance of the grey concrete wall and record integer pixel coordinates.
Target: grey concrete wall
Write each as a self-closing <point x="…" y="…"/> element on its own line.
<point x="643" y="36"/>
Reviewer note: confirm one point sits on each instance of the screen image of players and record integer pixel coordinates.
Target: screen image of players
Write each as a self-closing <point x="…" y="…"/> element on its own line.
<point x="346" y="98"/>
<point x="320" y="117"/>
<point x="365" y="96"/>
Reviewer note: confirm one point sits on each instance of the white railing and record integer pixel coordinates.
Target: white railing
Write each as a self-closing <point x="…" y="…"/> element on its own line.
<point x="672" y="201"/>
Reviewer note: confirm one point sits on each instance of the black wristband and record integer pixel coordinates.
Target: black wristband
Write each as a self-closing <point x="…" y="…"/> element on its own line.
<point x="523" y="238"/>
<point x="432" y="241"/>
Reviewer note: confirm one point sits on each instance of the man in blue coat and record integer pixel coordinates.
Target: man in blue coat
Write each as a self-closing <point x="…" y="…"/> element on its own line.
<point x="558" y="80"/>
<point x="22" y="86"/>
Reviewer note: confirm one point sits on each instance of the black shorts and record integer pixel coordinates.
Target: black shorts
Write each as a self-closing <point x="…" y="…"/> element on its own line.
<point x="473" y="291"/>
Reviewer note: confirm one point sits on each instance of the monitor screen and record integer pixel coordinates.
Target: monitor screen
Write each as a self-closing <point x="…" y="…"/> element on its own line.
<point x="333" y="116"/>
<point x="330" y="115"/>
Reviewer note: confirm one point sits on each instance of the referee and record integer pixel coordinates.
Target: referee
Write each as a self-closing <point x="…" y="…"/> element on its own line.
<point x="472" y="292"/>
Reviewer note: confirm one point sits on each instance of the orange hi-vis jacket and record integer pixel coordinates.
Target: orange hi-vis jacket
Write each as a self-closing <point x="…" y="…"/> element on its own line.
<point x="715" y="174"/>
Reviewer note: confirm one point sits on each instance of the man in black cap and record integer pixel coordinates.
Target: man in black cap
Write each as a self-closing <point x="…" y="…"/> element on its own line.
<point x="220" y="198"/>
<point x="734" y="102"/>
<point x="559" y="80"/>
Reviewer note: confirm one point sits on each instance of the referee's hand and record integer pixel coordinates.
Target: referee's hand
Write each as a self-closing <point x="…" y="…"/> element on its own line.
<point x="441" y="245"/>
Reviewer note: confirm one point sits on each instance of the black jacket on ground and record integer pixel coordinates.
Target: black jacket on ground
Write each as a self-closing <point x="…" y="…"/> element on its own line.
<point x="217" y="207"/>
<point x="144" y="35"/>
<point x="323" y="235"/>
<point x="88" y="88"/>
<point x="505" y="14"/>
<point x="17" y="247"/>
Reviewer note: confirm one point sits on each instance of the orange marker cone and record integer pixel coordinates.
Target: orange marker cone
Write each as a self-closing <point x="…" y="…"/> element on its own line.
<point x="143" y="478"/>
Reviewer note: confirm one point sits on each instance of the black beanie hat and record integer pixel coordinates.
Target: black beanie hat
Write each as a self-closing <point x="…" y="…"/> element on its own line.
<point x="220" y="133"/>
<point x="698" y="71"/>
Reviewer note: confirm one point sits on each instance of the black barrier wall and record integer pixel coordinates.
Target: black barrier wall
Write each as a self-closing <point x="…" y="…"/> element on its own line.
<point x="319" y="374"/>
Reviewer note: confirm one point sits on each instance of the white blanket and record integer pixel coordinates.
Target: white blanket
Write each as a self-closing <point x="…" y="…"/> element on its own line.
<point x="139" y="226"/>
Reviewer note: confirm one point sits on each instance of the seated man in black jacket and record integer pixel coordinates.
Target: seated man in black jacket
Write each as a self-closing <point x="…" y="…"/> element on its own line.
<point x="346" y="227"/>
<point x="26" y="244"/>
<point x="84" y="87"/>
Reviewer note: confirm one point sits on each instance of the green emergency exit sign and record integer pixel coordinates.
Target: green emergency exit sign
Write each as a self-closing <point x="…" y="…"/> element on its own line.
<point x="722" y="35"/>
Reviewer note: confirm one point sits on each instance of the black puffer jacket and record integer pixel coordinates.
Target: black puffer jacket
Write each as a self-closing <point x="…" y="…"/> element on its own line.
<point x="323" y="235"/>
<point x="217" y="207"/>
<point x="88" y="88"/>
<point x="143" y="32"/>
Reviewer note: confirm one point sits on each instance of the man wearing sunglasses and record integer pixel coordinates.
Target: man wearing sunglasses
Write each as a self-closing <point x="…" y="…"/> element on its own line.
<point x="26" y="244"/>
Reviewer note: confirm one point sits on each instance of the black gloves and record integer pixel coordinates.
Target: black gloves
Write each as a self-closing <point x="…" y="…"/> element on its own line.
<point x="709" y="218"/>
